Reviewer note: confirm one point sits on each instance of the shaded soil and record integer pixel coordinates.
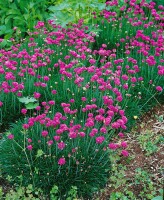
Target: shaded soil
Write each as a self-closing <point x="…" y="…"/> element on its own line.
<point x="5" y="185"/>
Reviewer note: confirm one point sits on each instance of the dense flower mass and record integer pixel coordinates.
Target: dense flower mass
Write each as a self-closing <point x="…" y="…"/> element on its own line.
<point x="72" y="98"/>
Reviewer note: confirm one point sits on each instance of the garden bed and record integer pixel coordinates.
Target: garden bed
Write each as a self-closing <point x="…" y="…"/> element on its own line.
<point x="75" y="104"/>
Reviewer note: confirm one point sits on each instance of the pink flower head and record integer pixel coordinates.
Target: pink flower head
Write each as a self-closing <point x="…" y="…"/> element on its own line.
<point x="125" y="153"/>
<point x="103" y="130"/>
<point x="51" y="102"/>
<point x="46" y="78"/>
<point x="159" y="88"/>
<point x="61" y="145"/>
<point x="72" y="135"/>
<point x="124" y="144"/>
<point x="26" y="126"/>
<point x="1" y="104"/>
<point x="119" y="98"/>
<point x="29" y="147"/>
<point x="56" y="138"/>
<point x="92" y="61"/>
<point x="10" y="137"/>
<point x="38" y="108"/>
<point x="121" y="135"/>
<point x="100" y="139"/>
<point x="29" y="140"/>
<point x="94" y="100"/>
<point x="82" y="134"/>
<point x="72" y="101"/>
<point x="54" y="91"/>
<point x="113" y="146"/>
<point x="44" y="133"/>
<point x="61" y="161"/>
<point x="44" y="103"/>
<point x="37" y="95"/>
<point x="24" y="111"/>
<point x="83" y="98"/>
<point x="50" y="142"/>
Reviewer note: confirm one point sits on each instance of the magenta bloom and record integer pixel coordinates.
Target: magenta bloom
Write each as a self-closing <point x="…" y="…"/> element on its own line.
<point x="54" y="91"/>
<point x="61" y="145"/>
<point x="29" y="147"/>
<point x="72" y="101"/>
<point x="50" y="142"/>
<point x="10" y="137"/>
<point x="24" y="111"/>
<point x="82" y="134"/>
<point x="125" y="153"/>
<point x="83" y="98"/>
<point x="121" y="135"/>
<point x="72" y="135"/>
<point x="37" y="95"/>
<point x="44" y="133"/>
<point x="61" y="161"/>
<point x="25" y="126"/>
<point x="51" y="102"/>
<point x="124" y="144"/>
<point x="29" y="140"/>
<point x="159" y="89"/>
<point x="37" y="108"/>
<point x="44" y="103"/>
<point x="1" y="104"/>
<point x="100" y="139"/>
<point x="56" y="137"/>
<point x="113" y="146"/>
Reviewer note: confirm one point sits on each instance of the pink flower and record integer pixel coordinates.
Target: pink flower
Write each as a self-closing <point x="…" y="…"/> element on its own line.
<point x="29" y="147"/>
<point x="100" y="139"/>
<point x="61" y="145"/>
<point x="159" y="89"/>
<point x="1" y="104"/>
<point x="91" y="134"/>
<point x="72" y="135"/>
<point x="113" y="146"/>
<point x="44" y="103"/>
<point x="83" y="98"/>
<point x="10" y="137"/>
<point x="103" y="130"/>
<point x="29" y="140"/>
<point x="46" y="78"/>
<point x="124" y="144"/>
<point x="54" y="91"/>
<point x="50" y="142"/>
<point x="92" y="61"/>
<point x="37" y="95"/>
<point x="44" y="133"/>
<point x="119" y="98"/>
<point x="82" y="134"/>
<point x="24" y="111"/>
<point x="61" y="161"/>
<point x="38" y="108"/>
<point x="51" y="102"/>
<point x="115" y="125"/>
<point x="125" y="153"/>
<point x="72" y="101"/>
<point x="56" y="138"/>
<point x="26" y="126"/>
<point x="121" y="135"/>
